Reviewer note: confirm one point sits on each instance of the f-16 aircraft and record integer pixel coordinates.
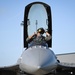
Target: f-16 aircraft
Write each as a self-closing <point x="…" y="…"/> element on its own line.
<point x="39" y="59"/>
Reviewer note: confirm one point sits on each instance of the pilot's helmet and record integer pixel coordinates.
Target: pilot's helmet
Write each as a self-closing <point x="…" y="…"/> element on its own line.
<point x="41" y="31"/>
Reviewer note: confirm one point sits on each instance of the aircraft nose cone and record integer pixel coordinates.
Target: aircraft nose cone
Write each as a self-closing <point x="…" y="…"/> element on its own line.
<point x="37" y="60"/>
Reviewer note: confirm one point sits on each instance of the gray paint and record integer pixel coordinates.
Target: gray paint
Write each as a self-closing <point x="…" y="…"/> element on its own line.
<point x="67" y="58"/>
<point x="38" y="60"/>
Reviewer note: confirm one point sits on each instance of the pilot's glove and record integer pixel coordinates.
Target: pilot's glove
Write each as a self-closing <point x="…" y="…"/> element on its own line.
<point x="34" y="35"/>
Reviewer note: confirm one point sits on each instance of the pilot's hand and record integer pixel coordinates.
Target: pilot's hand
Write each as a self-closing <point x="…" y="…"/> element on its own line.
<point x="34" y="34"/>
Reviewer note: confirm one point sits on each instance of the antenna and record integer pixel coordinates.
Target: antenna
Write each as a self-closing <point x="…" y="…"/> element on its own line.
<point x="36" y="24"/>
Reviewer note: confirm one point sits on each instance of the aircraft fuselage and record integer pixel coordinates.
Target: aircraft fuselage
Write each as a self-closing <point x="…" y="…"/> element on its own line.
<point x="38" y="60"/>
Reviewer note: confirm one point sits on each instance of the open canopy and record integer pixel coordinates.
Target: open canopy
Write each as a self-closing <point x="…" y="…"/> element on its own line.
<point x="37" y="14"/>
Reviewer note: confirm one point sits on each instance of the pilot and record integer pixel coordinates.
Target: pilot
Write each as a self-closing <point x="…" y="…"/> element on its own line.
<point x="38" y="38"/>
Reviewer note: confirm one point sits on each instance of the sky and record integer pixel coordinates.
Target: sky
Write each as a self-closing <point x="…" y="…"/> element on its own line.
<point x="11" y="31"/>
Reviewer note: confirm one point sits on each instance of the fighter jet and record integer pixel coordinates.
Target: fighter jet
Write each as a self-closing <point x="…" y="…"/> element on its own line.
<point x="38" y="59"/>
